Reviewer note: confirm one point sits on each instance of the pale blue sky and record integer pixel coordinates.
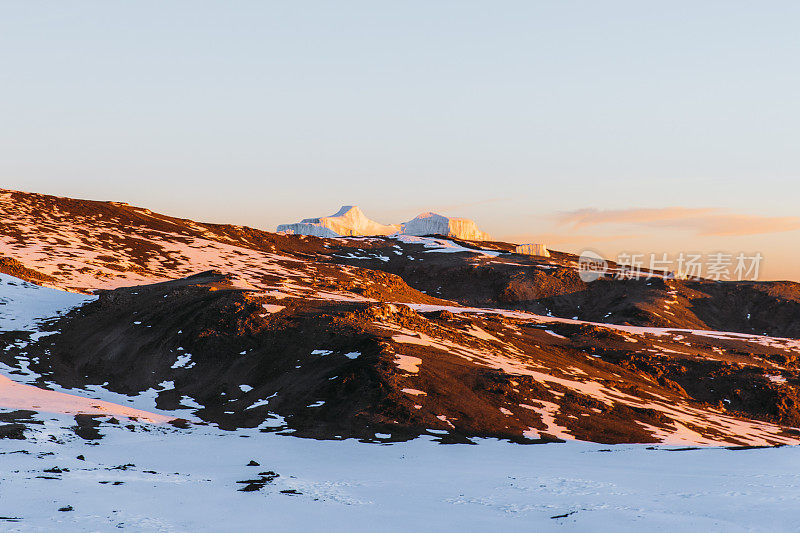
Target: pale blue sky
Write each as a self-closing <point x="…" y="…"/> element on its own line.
<point x="258" y="112"/>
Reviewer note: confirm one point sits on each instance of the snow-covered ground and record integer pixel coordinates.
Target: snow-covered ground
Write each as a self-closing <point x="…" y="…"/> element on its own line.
<point x="24" y="306"/>
<point x="765" y="340"/>
<point x="188" y="481"/>
<point x="443" y="245"/>
<point x="154" y="477"/>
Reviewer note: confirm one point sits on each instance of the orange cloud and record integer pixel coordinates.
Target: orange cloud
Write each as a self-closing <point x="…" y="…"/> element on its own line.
<point x="558" y="239"/>
<point x="703" y="221"/>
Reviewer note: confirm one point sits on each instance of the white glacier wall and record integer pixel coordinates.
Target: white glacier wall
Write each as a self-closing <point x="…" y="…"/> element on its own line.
<point x="435" y="224"/>
<point x="532" y="249"/>
<point x="348" y="221"/>
<point x="351" y="221"/>
<point x="304" y="228"/>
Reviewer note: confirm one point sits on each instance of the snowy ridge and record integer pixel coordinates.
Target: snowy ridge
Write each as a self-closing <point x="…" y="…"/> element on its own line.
<point x="159" y="474"/>
<point x="717" y="426"/>
<point x="287" y="277"/>
<point x="443" y="369"/>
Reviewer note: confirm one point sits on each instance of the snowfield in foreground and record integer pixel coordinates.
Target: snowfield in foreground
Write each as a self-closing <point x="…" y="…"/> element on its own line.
<point x="161" y="479"/>
<point x="154" y="477"/>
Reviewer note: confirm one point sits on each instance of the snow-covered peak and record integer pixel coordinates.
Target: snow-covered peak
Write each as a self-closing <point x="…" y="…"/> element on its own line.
<point x="347" y="221"/>
<point x="351" y="211"/>
<point x="435" y="224"/>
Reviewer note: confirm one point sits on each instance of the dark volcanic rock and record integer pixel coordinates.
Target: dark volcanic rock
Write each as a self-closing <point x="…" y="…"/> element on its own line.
<point x="363" y="338"/>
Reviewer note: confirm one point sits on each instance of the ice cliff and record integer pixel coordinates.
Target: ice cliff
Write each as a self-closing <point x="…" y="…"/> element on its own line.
<point x="348" y="221"/>
<point x="351" y="221"/>
<point x="433" y="224"/>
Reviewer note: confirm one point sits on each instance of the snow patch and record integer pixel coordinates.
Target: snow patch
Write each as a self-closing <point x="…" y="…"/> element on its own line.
<point x="407" y="363"/>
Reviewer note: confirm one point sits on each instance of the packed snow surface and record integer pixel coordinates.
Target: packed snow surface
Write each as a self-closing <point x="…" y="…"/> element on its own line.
<point x="169" y="480"/>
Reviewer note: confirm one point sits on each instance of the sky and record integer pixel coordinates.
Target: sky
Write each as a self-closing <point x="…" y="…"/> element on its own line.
<point x="615" y="126"/>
